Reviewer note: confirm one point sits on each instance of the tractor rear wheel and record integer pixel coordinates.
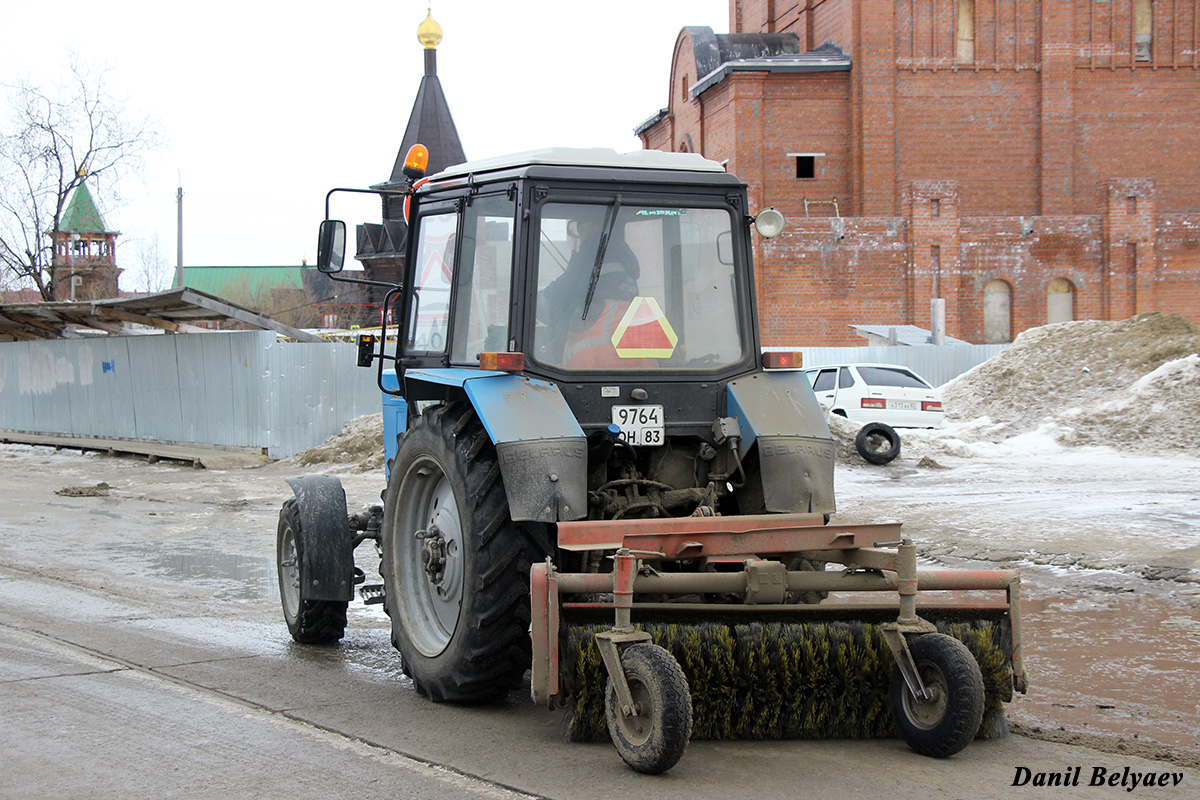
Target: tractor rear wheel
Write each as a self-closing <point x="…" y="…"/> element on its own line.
<point x="948" y="721"/>
<point x="309" y="621"/>
<point x="455" y="566"/>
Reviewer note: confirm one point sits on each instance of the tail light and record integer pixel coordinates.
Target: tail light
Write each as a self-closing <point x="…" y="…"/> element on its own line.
<point x="502" y="362"/>
<point x="783" y="359"/>
<point x="931" y="405"/>
<point x="874" y="402"/>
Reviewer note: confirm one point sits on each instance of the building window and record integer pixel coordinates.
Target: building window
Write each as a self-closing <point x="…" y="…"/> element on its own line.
<point x="935" y="207"/>
<point x="683" y="85"/>
<point x="806" y="164"/>
<point x="1143" y="29"/>
<point x="1060" y="301"/>
<point x="966" y="31"/>
<point x="997" y="313"/>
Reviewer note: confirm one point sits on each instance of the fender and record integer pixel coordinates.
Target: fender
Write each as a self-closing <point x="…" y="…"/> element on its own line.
<point x="541" y="447"/>
<point x="778" y="412"/>
<point x="327" y="552"/>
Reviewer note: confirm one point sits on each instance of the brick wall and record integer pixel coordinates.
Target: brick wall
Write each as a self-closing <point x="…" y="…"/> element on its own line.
<point x="1063" y="154"/>
<point x="822" y="275"/>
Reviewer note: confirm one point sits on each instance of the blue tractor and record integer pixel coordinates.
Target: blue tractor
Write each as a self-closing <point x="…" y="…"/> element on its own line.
<point x="581" y="427"/>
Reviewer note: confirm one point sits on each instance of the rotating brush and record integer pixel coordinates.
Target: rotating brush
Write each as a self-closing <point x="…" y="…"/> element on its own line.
<point x="812" y="680"/>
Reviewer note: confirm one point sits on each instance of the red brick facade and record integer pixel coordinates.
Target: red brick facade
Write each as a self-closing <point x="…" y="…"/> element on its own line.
<point x="1040" y="159"/>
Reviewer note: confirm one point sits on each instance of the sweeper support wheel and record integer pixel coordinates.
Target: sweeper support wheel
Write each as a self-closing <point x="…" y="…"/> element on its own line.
<point x="947" y="718"/>
<point x="652" y="730"/>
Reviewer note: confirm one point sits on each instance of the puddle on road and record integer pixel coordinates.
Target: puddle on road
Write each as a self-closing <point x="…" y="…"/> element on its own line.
<point x="1126" y="666"/>
<point x="234" y="576"/>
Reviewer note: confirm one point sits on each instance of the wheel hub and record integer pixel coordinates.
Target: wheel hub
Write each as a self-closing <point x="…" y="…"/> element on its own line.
<point x="434" y="550"/>
<point x="928" y="713"/>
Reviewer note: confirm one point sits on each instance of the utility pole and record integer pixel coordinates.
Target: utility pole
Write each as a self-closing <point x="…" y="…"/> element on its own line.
<point x="179" y="236"/>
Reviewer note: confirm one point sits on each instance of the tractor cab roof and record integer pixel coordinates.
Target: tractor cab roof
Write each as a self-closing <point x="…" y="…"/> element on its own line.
<point x="637" y="166"/>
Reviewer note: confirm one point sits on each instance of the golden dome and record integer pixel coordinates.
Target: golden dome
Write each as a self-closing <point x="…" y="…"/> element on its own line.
<point x="429" y="33"/>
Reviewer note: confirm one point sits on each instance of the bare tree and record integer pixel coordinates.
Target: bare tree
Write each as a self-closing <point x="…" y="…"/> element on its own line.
<point x="152" y="273"/>
<point x="50" y="143"/>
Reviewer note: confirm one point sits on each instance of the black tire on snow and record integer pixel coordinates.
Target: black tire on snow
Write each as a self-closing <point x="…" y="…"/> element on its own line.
<point x="309" y="621"/>
<point x="877" y="443"/>
<point x="945" y="724"/>
<point x="653" y="741"/>
<point x="458" y="593"/>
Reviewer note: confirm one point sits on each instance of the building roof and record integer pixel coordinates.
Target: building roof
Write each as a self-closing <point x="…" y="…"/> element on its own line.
<point x="430" y="124"/>
<point x="81" y="214"/>
<point x="228" y="281"/>
<point x="909" y="335"/>
<point x="173" y="311"/>
<point x="826" y="58"/>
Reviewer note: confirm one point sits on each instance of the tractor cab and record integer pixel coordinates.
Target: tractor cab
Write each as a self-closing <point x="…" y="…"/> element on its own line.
<point x="606" y="274"/>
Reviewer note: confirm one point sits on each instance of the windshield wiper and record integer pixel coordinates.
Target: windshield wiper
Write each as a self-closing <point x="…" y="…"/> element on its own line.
<point x="610" y="219"/>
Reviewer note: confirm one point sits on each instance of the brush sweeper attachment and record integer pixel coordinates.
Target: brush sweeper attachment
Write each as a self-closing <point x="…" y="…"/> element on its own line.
<point x="658" y="652"/>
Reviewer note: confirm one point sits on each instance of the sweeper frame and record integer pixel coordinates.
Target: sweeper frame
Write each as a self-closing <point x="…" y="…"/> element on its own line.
<point x="648" y="730"/>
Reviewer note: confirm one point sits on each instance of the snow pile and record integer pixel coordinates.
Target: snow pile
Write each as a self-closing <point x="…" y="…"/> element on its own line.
<point x="1160" y="410"/>
<point x="359" y="447"/>
<point x="1132" y="384"/>
<point x="844" y="431"/>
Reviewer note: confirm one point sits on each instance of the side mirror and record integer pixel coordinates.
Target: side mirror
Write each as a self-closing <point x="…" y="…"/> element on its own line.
<point x="331" y="246"/>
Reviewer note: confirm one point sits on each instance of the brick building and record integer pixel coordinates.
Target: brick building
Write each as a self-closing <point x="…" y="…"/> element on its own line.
<point x="1025" y="160"/>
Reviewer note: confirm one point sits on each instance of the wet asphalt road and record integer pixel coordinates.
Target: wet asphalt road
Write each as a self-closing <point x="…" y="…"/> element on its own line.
<point x="142" y="654"/>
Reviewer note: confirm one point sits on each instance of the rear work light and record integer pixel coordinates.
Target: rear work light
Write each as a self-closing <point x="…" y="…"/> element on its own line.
<point x="931" y="405"/>
<point x="502" y="362"/>
<point x="791" y="359"/>
<point x="874" y="402"/>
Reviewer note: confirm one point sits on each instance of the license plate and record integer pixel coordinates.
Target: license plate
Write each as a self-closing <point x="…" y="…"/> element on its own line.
<point x="903" y="405"/>
<point x="640" y="425"/>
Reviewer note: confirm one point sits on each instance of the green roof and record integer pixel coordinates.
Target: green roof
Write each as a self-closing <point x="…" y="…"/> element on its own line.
<point x="81" y="214"/>
<point x="230" y="282"/>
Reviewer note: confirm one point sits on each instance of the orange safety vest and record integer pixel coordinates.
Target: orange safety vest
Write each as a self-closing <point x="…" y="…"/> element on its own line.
<point x="589" y="343"/>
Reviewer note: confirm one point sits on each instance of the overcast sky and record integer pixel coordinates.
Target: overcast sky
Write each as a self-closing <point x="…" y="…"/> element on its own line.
<point x="264" y="106"/>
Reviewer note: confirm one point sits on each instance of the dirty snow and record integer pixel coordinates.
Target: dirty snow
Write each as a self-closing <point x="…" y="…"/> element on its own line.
<point x="357" y="448"/>
<point x="1076" y="447"/>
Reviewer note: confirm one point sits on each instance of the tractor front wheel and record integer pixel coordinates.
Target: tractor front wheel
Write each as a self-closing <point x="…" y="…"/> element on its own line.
<point x="455" y="565"/>
<point x="652" y="739"/>
<point x="949" y="718"/>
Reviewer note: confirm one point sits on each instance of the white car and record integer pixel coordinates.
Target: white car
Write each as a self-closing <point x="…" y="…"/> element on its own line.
<point x="886" y="393"/>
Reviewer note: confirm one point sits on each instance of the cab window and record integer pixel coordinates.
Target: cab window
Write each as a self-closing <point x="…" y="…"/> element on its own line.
<point x="483" y="291"/>
<point x="629" y="286"/>
<point x="433" y="274"/>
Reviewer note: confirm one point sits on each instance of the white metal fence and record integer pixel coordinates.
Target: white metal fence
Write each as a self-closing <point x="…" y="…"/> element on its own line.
<point x="238" y="389"/>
